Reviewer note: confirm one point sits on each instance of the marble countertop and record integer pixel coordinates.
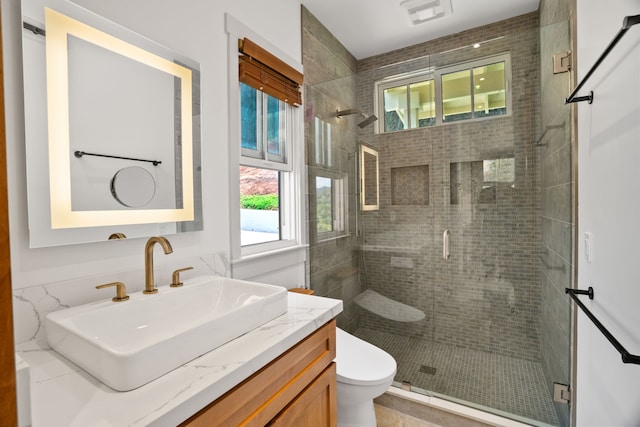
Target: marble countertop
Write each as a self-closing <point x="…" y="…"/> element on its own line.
<point x="62" y="394"/>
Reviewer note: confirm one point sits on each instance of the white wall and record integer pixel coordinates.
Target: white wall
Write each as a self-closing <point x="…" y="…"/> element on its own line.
<point x="608" y="391"/>
<point x="50" y="278"/>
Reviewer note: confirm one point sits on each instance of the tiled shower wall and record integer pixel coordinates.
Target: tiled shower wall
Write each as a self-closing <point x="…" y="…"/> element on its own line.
<point x="486" y="296"/>
<point x="330" y="85"/>
<point x="557" y="216"/>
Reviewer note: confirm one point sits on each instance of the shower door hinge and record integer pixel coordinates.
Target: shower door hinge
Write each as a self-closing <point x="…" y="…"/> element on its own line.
<point x="561" y="62"/>
<point x="561" y="393"/>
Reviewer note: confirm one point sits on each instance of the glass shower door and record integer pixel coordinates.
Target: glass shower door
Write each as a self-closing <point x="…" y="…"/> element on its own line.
<point x="503" y="227"/>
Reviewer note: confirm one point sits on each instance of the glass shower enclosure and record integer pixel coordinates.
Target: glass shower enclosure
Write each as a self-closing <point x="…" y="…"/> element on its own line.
<point x="451" y="244"/>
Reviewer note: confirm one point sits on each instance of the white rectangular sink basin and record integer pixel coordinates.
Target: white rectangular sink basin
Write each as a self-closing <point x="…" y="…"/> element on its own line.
<point x="127" y="344"/>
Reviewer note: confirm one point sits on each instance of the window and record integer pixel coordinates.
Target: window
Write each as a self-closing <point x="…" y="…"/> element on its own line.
<point x="259" y="205"/>
<point x="323" y="148"/>
<point x="466" y="91"/>
<point x="267" y="101"/>
<point x="410" y="105"/>
<point x="263" y="122"/>
<point x="330" y="185"/>
<point x="499" y="170"/>
<point x="330" y="206"/>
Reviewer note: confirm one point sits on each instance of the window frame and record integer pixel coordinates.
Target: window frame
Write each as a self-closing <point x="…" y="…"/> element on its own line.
<point x="405" y="80"/>
<point x="284" y="168"/>
<point x="339" y="205"/>
<point x="277" y="162"/>
<point x="292" y="177"/>
<point x="323" y="165"/>
<point x="435" y="74"/>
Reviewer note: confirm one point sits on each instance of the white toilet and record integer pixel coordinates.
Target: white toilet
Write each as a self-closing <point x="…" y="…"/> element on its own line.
<point x="364" y="372"/>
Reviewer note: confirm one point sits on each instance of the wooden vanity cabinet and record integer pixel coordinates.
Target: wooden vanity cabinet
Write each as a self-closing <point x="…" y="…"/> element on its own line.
<point x="296" y="389"/>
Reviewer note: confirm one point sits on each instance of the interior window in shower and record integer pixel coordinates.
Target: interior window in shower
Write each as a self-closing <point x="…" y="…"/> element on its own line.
<point x="330" y="207"/>
<point x="499" y="170"/>
<point x="481" y="181"/>
<point x="456" y="96"/>
<point x="484" y="87"/>
<point x="489" y="90"/>
<point x="410" y="105"/>
<point x="471" y="90"/>
<point x="323" y="143"/>
<point x="395" y="109"/>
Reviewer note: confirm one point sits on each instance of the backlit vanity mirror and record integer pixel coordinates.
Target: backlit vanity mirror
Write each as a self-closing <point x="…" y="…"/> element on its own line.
<point x="369" y="181"/>
<point x="112" y="123"/>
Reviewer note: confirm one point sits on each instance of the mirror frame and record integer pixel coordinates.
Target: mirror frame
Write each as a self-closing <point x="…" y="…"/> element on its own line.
<point x="41" y="189"/>
<point x="58" y="28"/>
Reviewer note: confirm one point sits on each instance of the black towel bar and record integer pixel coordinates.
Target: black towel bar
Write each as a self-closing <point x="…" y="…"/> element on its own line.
<point x="627" y="23"/>
<point x="626" y="356"/>
<point x="79" y="154"/>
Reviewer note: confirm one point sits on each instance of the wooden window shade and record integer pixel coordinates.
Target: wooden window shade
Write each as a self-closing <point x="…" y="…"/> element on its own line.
<point x="263" y="71"/>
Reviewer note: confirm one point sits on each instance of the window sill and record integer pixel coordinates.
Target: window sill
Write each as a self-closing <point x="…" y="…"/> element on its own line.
<point x="267" y="253"/>
<point x="330" y="238"/>
<point x="458" y="122"/>
<point x="284" y="267"/>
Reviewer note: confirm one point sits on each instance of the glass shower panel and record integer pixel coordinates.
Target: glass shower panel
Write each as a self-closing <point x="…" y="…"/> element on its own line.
<point x="555" y="151"/>
<point x="487" y="297"/>
<point x="457" y="237"/>
<point x="458" y="272"/>
<point x="395" y="307"/>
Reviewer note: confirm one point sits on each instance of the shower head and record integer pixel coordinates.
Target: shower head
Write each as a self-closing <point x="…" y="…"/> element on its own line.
<point x="340" y="113"/>
<point x="367" y="120"/>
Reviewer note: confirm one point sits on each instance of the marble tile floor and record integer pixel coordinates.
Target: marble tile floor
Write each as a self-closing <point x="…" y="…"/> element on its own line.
<point x="504" y="383"/>
<point x="387" y="417"/>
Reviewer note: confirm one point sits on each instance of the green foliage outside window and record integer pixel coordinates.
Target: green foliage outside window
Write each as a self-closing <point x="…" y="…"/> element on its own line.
<point x="324" y="208"/>
<point x="267" y="202"/>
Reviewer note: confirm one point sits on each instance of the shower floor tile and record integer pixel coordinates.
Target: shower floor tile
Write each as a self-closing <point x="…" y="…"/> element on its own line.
<point x="504" y="383"/>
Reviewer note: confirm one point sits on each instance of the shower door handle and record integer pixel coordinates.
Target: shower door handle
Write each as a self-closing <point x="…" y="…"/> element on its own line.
<point x="445" y="244"/>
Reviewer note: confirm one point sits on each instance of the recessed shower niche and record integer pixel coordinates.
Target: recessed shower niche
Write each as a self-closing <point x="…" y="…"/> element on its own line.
<point x="410" y="185"/>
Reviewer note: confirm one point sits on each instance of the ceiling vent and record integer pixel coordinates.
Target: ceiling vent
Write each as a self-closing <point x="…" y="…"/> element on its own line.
<point x="421" y="11"/>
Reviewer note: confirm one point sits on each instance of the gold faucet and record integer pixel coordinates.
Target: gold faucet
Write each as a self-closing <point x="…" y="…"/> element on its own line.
<point x="175" y="277"/>
<point x="149" y="285"/>
<point x="121" y="291"/>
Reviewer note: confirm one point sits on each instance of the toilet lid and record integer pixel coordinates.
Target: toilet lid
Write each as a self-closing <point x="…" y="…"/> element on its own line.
<point x="361" y="363"/>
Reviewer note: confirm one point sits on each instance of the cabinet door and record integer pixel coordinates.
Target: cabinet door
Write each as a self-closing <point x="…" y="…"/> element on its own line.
<point x="267" y="393"/>
<point x="316" y="406"/>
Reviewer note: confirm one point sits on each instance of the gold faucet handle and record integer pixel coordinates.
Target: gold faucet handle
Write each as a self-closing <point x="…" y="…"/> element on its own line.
<point x="121" y="291"/>
<point x="175" y="277"/>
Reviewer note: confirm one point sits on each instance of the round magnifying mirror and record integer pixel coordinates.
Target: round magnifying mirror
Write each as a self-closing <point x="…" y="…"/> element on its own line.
<point x="133" y="187"/>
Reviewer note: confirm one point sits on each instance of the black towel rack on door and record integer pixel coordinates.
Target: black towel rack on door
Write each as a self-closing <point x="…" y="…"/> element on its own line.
<point x="627" y="22"/>
<point x="626" y="356"/>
